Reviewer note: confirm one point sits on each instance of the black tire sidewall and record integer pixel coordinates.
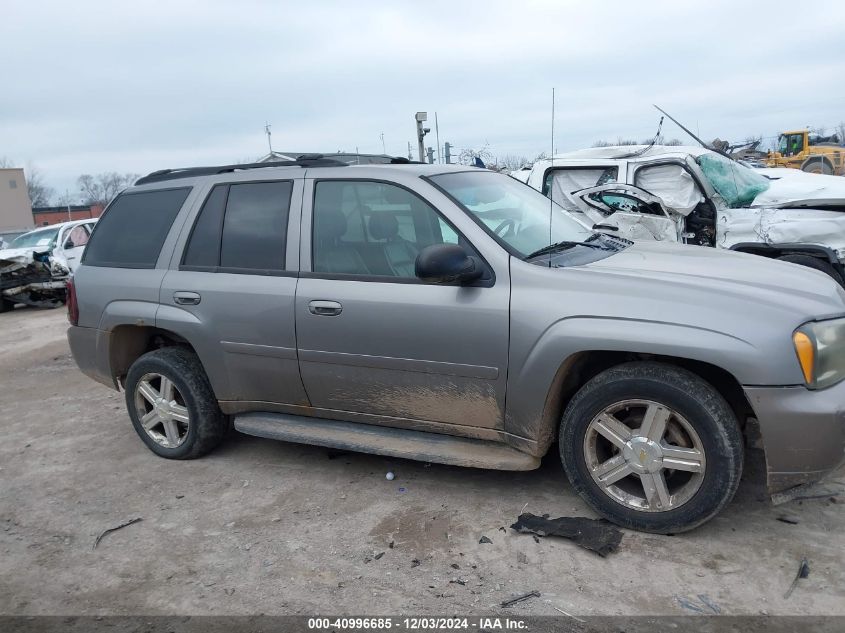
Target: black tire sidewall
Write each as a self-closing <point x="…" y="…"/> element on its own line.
<point x="168" y="365"/>
<point x="720" y="438"/>
<point x="808" y="261"/>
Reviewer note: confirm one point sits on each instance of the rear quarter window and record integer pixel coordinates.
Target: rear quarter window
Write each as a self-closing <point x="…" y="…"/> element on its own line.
<point x="131" y="232"/>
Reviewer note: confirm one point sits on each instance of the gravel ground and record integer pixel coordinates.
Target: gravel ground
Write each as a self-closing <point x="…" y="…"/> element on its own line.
<point x="268" y="527"/>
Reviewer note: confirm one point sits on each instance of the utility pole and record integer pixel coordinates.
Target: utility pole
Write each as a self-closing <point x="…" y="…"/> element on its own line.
<point x="383" y="150"/>
<point x="430" y="155"/>
<point x="67" y="199"/>
<point x="421" y="132"/>
<point x="437" y="136"/>
<point x="447" y="152"/>
<point x="410" y="154"/>
<point x="267" y="132"/>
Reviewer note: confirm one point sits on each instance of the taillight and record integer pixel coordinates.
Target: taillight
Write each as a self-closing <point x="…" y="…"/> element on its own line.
<point x="71" y="303"/>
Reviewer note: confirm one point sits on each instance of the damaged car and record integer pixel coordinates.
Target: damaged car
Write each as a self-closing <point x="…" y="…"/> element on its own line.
<point x="694" y="195"/>
<point x="451" y="314"/>
<point x="35" y="266"/>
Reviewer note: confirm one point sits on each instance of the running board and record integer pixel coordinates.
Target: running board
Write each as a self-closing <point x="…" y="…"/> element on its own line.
<point x="383" y="440"/>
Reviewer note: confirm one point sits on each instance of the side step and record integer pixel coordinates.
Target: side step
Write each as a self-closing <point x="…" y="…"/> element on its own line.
<point x="382" y="440"/>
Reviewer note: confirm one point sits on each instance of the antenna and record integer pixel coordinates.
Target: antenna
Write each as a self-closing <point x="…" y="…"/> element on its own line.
<point x="551" y="202"/>
<point x="383" y="151"/>
<point x="267" y="132"/>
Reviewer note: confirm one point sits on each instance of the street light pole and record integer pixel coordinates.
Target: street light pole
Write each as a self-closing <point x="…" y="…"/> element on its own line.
<point x="421" y="132"/>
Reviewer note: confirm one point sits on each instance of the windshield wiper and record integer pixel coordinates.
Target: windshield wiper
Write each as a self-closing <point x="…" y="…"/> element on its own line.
<point x="562" y="246"/>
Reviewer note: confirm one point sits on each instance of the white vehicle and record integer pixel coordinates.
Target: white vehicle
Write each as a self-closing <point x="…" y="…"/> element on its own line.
<point x="35" y="266"/>
<point x="696" y="196"/>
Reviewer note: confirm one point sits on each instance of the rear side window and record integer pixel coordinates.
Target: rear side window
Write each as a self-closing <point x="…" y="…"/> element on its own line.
<point x="130" y="234"/>
<point x="241" y="228"/>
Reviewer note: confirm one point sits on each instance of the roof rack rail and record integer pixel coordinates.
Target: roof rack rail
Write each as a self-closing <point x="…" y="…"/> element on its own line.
<point x="305" y="160"/>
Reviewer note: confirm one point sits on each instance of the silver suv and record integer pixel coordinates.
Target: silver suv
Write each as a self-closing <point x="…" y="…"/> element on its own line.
<point x="455" y="315"/>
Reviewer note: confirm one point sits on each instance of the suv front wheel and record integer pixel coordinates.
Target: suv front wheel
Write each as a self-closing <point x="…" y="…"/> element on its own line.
<point x="172" y="406"/>
<point x="652" y="447"/>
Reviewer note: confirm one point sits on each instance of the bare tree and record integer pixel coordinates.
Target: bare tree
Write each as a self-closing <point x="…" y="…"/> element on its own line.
<point x="468" y="155"/>
<point x="840" y="130"/>
<point x="102" y="188"/>
<point x="40" y="195"/>
<point x="511" y="162"/>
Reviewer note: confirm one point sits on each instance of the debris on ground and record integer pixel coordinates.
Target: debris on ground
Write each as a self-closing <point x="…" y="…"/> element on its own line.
<point x="415" y="562"/>
<point x="390" y="476"/>
<point x="803" y="572"/>
<point x="484" y="539"/>
<point x="704" y="605"/>
<point x="791" y="519"/>
<point x="569" y="615"/>
<point x="596" y="535"/>
<point x="115" y="529"/>
<point x="525" y="596"/>
<point x="379" y="555"/>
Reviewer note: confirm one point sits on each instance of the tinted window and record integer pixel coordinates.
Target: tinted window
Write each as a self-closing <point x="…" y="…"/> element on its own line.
<point x="131" y="232"/>
<point x="255" y="226"/>
<point x="372" y="228"/>
<point x="204" y="245"/>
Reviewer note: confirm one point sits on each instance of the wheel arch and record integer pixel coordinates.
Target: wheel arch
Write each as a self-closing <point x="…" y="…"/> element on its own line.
<point x="818" y="158"/>
<point x="579" y="368"/>
<point x="773" y="251"/>
<point x="129" y="342"/>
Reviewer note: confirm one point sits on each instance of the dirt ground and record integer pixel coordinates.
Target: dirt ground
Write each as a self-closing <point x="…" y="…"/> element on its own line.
<point x="267" y="527"/>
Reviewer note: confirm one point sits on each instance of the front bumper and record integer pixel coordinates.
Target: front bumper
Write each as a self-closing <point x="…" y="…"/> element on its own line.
<point x="803" y="432"/>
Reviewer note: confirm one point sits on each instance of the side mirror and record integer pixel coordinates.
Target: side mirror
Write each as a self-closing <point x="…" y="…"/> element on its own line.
<point x="446" y="264"/>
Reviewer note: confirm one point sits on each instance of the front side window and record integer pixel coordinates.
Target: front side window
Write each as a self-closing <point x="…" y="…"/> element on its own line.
<point x="77" y="236"/>
<point x="132" y="230"/>
<point x="373" y="229"/>
<point x="562" y="182"/>
<point x="241" y="227"/>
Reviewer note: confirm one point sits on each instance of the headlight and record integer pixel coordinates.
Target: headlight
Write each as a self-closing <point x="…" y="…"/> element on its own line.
<point x="820" y="347"/>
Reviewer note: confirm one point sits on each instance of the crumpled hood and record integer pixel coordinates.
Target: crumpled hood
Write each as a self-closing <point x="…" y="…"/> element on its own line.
<point x="793" y="186"/>
<point x="12" y="259"/>
<point x="713" y="276"/>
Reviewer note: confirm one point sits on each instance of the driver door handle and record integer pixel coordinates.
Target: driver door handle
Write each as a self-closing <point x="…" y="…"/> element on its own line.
<point x="325" y="308"/>
<point x="185" y="298"/>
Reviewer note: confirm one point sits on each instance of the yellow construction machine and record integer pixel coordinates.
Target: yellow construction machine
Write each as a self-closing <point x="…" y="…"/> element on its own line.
<point x="809" y="152"/>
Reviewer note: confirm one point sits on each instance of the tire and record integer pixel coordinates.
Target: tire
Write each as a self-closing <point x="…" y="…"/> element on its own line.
<point x="817" y="166"/>
<point x="169" y="435"/>
<point x="699" y="416"/>
<point x="815" y="263"/>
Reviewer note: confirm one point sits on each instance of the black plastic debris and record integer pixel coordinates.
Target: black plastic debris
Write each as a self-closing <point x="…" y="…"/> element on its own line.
<point x="115" y="529"/>
<point x="525" y="596"/>
<point x="803" y="572"/>
<point x="596" y="535"/>
<point x="484" y="539"/>
<point x="789" y="518"/>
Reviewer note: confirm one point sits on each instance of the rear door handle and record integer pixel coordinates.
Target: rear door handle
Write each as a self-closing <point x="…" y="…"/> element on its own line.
<point x="185" y="298"/>
<point x="325" y="308"/>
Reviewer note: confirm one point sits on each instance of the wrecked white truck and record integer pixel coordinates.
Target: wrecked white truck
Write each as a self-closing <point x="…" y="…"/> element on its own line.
<point x="35" y="266"/>
<point x="696" y="196"/>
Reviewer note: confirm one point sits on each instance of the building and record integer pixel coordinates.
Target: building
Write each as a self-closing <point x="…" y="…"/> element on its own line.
<point x="15" y="208"/>
<point x="42" y="216"/>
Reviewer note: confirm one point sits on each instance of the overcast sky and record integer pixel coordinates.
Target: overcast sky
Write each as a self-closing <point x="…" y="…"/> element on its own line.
<point x="92" y="87"/>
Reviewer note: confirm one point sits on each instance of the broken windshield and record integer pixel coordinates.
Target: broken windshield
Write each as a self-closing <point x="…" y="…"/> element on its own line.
<point x="517" y="215"/>
<point x="737" y="184"/>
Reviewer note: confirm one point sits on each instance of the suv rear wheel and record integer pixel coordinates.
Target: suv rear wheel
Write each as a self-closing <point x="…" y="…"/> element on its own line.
<point x="172" y="406"/>
<point x="652" y="447"/>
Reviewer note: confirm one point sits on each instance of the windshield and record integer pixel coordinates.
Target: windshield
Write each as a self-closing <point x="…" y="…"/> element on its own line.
<point x="515" y="213"/>
<point x="737" y="184"/>
<point x="36" y="239"/>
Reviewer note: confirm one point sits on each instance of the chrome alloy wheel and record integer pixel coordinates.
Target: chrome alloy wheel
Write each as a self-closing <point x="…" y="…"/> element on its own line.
<point x="644" y="455"/>
<point x="161" y="410"/>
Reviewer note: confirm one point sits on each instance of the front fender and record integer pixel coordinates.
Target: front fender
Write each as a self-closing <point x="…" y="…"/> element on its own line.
<point x="534" y="375"/>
